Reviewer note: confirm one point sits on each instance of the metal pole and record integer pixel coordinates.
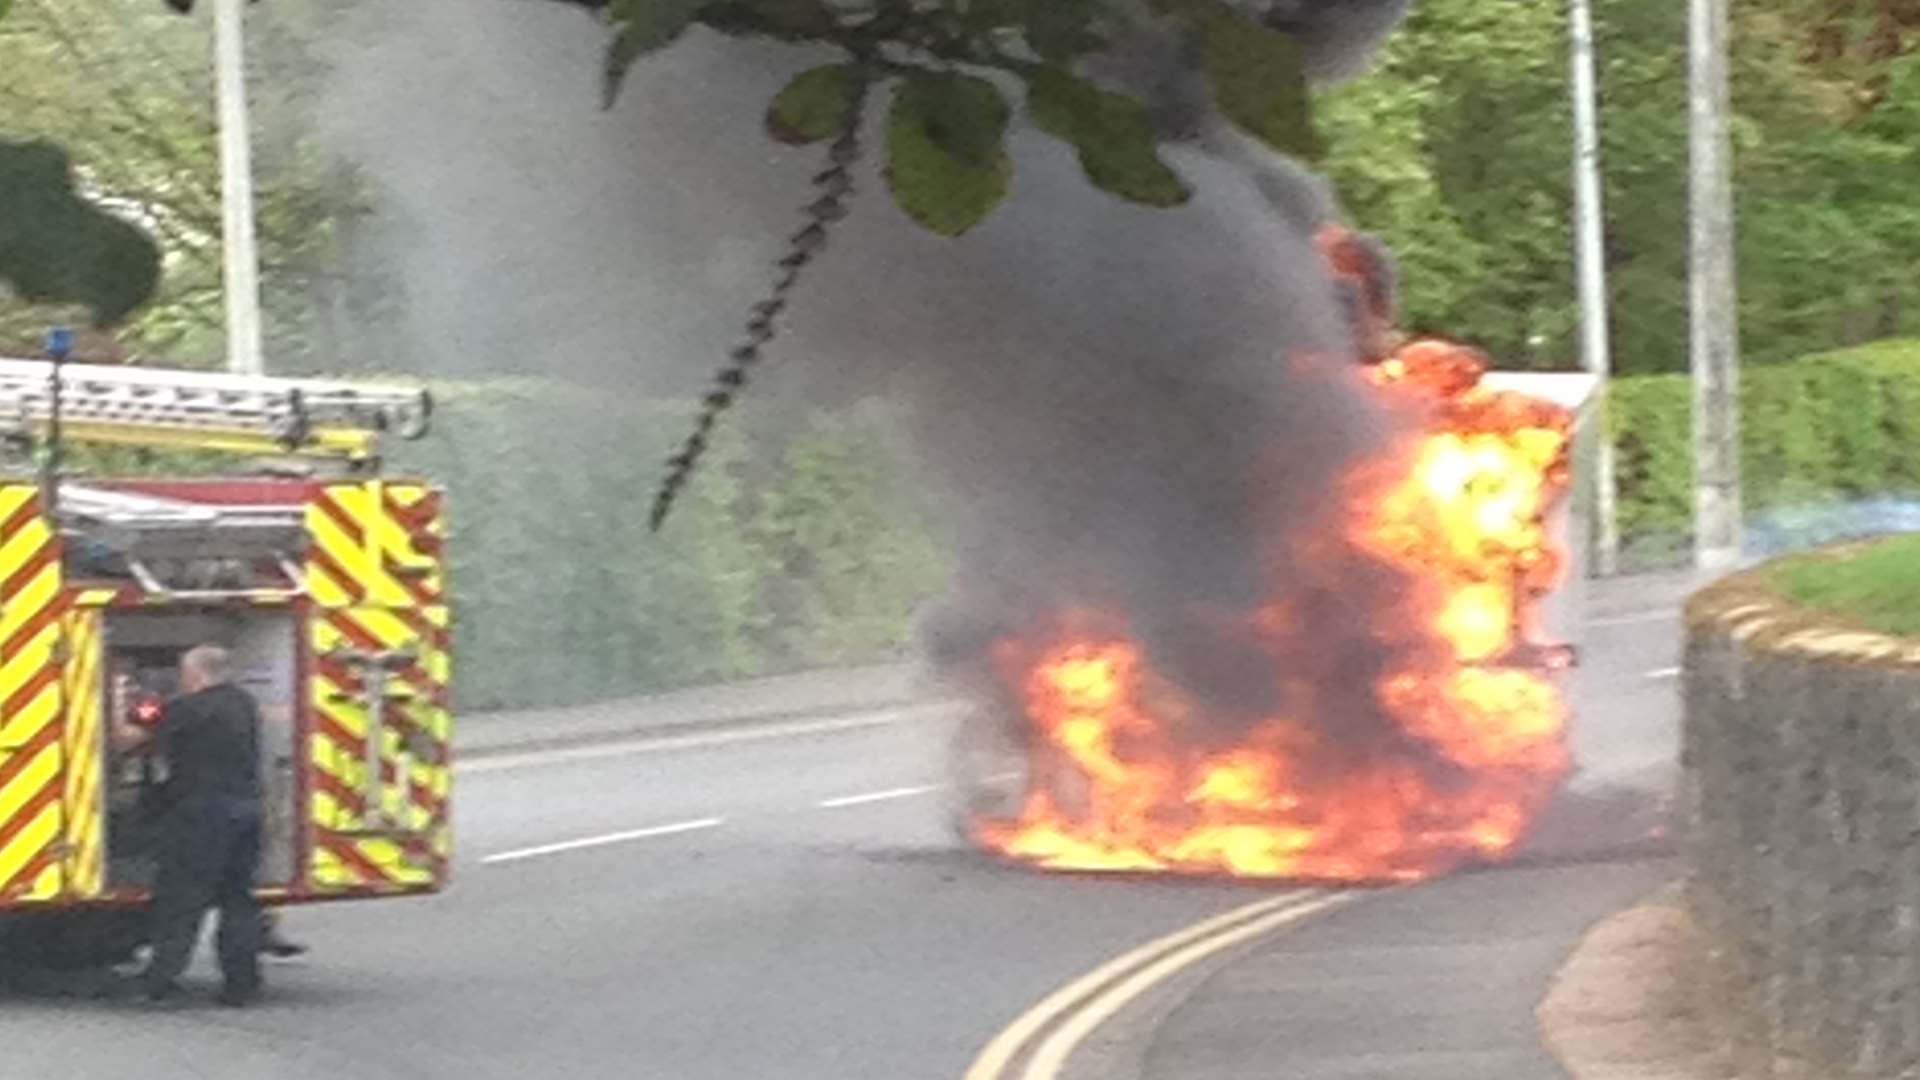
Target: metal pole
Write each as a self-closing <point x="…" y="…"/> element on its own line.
<point x="236" y="191"/>
<point x="59" y="347"/>
<point x="1715" y="323"/>
<point x="1589" y="224"/>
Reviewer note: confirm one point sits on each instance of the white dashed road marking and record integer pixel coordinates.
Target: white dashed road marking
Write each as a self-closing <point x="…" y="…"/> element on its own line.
<point x="877" y="796"/>
<point x="606" y="838"/>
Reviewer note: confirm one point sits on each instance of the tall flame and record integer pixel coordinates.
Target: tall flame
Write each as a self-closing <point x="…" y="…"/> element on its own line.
<point x="1473" y="744"/>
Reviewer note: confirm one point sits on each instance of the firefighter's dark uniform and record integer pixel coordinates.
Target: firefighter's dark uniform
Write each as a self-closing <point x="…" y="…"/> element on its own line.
<point x="209" y="844"/>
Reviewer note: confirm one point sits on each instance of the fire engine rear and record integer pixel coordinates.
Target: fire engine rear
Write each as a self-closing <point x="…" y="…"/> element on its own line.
<point x="324" y="578"/>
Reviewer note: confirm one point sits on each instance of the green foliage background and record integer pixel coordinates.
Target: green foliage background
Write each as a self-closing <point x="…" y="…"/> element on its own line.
<point x="816" y="554"/>
<point x="1456" y="147"/>
<point x="1818" y="433"/>
<point x="124" y="88"/>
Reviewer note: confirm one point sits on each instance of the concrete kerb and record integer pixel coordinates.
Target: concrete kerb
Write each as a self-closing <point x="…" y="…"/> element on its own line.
<point x="767" y="701"/>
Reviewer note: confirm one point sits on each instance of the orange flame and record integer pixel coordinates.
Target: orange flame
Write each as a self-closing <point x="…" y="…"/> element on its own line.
<point x="1474" y="739"/>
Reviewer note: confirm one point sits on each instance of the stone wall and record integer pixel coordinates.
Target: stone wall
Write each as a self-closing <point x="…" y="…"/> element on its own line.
<point x="1801" y="763"/>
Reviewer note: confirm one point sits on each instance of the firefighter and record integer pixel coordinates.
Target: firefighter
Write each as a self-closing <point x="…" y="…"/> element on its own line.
<point x="211" y="818"/>
<point x="133" y="714"/>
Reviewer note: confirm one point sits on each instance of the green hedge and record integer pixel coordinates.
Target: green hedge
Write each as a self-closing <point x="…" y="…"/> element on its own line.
<point x="1826" y="429"/>
<point x="815" y="554"/>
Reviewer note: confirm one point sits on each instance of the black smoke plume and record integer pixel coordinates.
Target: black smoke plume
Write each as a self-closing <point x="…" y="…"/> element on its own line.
<point x="1101" y="394"/>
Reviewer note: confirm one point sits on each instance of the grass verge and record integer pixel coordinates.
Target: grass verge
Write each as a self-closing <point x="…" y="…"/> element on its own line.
<point x="1874" y="585"/>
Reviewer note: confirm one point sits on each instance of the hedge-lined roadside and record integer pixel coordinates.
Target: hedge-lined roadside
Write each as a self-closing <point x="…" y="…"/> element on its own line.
<point x="1825" y="430"/>
<point x="819" y="557"/>
<point x="819" y="552"/>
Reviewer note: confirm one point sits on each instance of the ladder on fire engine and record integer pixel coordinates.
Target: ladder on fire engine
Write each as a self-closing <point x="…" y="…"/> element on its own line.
<point x="195" y="410"/>
<point x="152" y="536"/>
<point x="158" y="540"/>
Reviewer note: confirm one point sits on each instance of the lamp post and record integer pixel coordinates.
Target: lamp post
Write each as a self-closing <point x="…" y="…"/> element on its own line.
<point x="1589" y="226"/>
<point x="1714" y="351"/>
<point x="240" y="254"/>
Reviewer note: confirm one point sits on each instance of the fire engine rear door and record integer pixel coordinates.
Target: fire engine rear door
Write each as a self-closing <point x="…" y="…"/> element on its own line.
<point x="33" y="728"/>
<point x="381" y="726"/>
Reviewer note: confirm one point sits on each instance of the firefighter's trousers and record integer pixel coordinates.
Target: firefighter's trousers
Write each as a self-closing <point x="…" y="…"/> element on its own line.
<point x="209" y="854"/>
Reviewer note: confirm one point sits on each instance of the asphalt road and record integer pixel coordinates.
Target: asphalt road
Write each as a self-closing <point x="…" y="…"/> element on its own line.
<point x="1440" y="982"/>
<point x="787" y="939"/>
<point x="792" y="907"/>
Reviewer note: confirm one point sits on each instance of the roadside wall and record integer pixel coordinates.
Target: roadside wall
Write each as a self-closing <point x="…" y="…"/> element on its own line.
<point x="1801" y="763"/>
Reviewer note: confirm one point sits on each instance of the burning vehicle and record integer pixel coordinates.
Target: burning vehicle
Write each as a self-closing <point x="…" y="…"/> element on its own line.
<point x="1409" y="718"/>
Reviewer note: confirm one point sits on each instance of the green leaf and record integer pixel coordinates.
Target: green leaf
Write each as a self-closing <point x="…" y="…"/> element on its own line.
<point x="56" y="247"/>
<point x="816" y="105"/>
<point x="1111" y="133"/>
<point x="947" y="164"/>
<point x="642" y="27"/>
<point x="1258" y="77"/>
<point x="964" y="114"/>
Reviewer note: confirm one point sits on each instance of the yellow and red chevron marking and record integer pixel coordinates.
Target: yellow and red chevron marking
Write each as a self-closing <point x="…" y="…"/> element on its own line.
<point x="108" y="597"/>
<point x="374" y="572"/>
<point x="416" y="727"/>
<point x="375" y="544"/>
<point x="32" y="756"/>
<point x="83" y="689"/>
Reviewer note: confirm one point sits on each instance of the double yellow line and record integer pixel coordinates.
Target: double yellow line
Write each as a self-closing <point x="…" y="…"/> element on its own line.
<point x="1068" y="1015"/>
